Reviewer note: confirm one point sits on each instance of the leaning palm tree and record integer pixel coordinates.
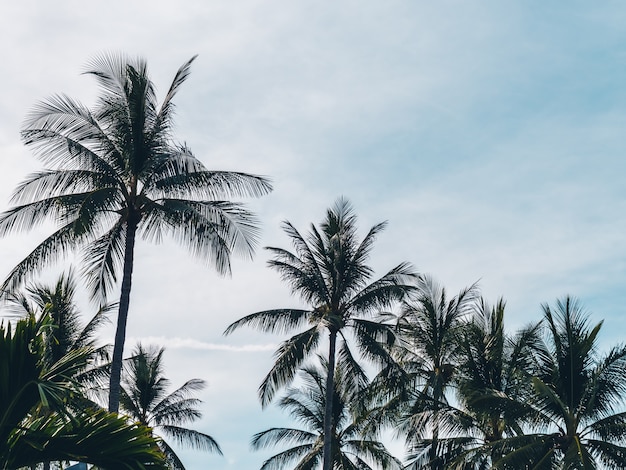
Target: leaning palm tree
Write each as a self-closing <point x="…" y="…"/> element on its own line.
<point x="38" y="421"/>
<point x="329" y="271"/>
<point x="114" y="174"/>
<point x="146" y="400"/>
<point x="579" y="397"/>
<point x="351" y="449"/>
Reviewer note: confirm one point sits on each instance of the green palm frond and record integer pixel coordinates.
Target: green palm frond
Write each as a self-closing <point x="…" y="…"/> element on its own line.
<point x="272" y="321"/>
<point x="289" y="356"/>
<point x="281" y="436"/>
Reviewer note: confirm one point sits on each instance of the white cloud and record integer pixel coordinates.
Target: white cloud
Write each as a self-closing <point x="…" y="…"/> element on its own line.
<point x="194" y="344"/>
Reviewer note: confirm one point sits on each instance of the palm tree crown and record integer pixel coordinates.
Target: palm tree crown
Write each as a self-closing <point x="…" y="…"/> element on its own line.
<point x="493" y="384"/>
<point x="115" y="173"/>
<point x="145" y="398"/>
<point x="577" y="395"/>
<point x="328" y="270"/>
<point x="431" y="324"/>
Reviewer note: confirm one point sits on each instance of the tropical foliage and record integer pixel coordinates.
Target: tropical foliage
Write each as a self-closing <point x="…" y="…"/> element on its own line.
<point x="66" y="332"/>
<point x="38" y="421"/>
<point x="576" y="397"/>
<point x="146" y="400"/>
<point x="351" y="449"/>
<point x="115" y="173"/>
<point x="430" y="325"/>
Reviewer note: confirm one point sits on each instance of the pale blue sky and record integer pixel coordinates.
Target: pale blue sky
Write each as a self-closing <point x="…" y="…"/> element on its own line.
<point x="489" y="134"/>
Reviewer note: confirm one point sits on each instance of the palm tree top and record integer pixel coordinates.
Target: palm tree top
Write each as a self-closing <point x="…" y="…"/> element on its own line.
<point x="146" y="398"/>
<point x="118" y="164"/>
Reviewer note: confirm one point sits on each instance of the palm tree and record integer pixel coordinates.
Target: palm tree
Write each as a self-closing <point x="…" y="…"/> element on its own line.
<point x="145" y="399"/>
<point x="115" y="173"/>
<point x="329" y="271"/>
<point x="430" y="324"/>
<point x="578" y="394"/>
<point x="37" y="420"/>
<point x="351" y="450"/>
<point x="493" y="382"/>
<point x="67" y="333"/>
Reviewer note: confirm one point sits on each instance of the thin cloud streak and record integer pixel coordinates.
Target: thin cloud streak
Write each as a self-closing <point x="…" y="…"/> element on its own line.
<point x="189" y="343"/>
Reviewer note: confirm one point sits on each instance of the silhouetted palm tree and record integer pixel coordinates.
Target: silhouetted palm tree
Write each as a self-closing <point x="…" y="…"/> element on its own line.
<point x="328" y="270"/>
<point x="115" y="174"/>
<point x="493" y="383"/>
<point x="430" y="324"/>
<point x="351" y="449"/>
<point x="145" y="398"/>
<point x="578" y="400"/>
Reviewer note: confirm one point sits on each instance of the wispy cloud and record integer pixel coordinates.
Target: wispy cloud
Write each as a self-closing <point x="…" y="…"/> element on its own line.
<point x="189" y="343"/>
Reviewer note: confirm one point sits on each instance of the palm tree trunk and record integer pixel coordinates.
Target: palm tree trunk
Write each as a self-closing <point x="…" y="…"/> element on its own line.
<point x="122" y="317"/>
<point x="328" y="411"/>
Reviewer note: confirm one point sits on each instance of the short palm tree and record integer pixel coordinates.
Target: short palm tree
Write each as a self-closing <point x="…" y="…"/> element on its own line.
<point x="115" y="173"/>
<point x="37" y="420"/>
<point x="493" y="383"/>
<point x="578" y="400"/>
<point x="67" y="332"/>
<point x="146" y="400"/>
<point x="328" y="270"/>
<point x="430" y="324"/>
<point x="351" y="450"/>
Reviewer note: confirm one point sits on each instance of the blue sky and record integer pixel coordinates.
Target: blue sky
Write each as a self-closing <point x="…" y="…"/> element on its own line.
<point x="489" y="134"/>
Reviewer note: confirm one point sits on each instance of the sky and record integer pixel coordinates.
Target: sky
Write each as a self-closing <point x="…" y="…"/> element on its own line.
<point x="489" y="134"/>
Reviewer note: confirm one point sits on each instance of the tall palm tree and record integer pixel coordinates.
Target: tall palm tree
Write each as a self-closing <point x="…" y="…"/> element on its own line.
<point x="146" y="400"/>
<point x="351" y="449"/>
<point x="329" y="272"/>
<point x="430" y="324"/>
<point x="579" y="397"/>
<point x="115" y="173"/>
<point x="37" y="420"/>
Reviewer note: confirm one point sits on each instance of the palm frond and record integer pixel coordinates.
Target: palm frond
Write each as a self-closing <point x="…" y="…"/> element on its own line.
<point x="277" y="436"/>
<point x="289" y="356"/>
<point x="272" y="321"/>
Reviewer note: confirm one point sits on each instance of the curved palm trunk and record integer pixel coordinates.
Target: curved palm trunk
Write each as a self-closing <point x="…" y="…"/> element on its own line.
<point x="122" y="317"/>
<point x="328" y="410"/>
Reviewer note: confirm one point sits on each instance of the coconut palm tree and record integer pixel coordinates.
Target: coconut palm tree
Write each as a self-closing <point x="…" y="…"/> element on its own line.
<point x="351" y="449"/>
<point x="37" y="420"/>
<point x="493" y="383"/>
<point x="578" y="399"/>
<point x="146" y="400"/>
<point x="328" y="270"/>
<point x="115" y="173"/>
<point x="430" y="324"/>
